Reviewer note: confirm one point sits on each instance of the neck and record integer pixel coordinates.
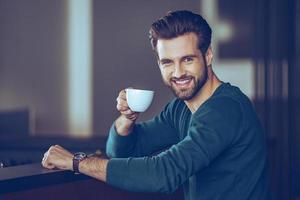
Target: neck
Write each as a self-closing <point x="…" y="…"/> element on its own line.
<point x="205" y="93"/>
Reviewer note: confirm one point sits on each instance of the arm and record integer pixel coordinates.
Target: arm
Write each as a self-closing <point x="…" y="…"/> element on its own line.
<point x="209" y="135"/>
<point x="144" y="138"/>
<point x="94" y="167"/>
<point x="125" y="123"/>
<point x="58" y="157"/>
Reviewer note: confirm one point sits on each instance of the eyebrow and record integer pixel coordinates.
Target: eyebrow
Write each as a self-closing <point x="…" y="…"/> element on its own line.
<point x="188" y="56"/>
<point x="164" y="60"/>
<point x="182" y="58"/>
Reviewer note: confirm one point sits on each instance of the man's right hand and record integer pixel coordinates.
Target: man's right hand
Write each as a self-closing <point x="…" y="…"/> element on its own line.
<point x="126" y="121"/>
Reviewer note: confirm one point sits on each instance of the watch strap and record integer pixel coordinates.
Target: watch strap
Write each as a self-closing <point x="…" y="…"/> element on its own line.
<point x="78" y="157"/>
<point x="76" y="165"/>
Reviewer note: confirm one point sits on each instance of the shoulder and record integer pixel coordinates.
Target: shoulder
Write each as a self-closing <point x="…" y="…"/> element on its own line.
<point x="222" y="105"/>
<point x="227" y="99"/>
<point x="223" y="113"/>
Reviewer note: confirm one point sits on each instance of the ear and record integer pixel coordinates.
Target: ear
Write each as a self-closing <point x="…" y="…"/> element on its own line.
<point x="209" y="56"/>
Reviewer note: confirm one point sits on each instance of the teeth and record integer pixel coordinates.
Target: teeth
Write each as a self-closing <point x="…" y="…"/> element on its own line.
<point x="182" y="82"/>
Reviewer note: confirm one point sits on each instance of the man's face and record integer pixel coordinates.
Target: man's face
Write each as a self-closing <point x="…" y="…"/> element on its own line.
<point x="182" y="65"/>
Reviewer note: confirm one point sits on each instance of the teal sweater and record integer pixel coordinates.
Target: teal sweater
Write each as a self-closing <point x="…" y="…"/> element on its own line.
<point x="219" y="152"/>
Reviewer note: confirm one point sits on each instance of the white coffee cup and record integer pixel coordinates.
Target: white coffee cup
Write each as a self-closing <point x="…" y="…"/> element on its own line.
<point x="139" y="100"/>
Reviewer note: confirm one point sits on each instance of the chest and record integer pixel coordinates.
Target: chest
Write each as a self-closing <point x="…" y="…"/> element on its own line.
<point x="183" y="123"/>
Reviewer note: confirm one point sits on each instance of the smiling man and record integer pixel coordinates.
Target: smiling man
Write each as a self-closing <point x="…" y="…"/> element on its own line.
<point x="210" y="140"/>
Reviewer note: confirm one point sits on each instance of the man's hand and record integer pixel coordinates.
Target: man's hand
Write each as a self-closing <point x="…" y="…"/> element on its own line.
<point x="123" y="107"/>
<point x="125" y="122"/>
<point x="58" y="157"/>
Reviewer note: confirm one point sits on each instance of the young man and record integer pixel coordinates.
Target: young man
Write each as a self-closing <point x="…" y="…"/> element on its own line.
<point x="210" y="140"/>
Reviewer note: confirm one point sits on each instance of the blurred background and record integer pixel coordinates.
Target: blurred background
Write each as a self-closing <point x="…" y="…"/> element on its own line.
<point x="63" y="63"/>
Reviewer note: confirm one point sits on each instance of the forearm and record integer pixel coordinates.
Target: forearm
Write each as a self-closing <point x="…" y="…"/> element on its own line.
<point x="94" y="167"/>
<point x="144" y="138"/>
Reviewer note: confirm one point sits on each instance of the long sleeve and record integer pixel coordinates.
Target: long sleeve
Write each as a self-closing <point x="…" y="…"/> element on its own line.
<point x="145" y="139"/>
<point x="211" y="131"/>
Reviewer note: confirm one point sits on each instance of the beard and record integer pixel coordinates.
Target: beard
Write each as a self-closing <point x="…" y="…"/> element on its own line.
<point x="189" y="93"/>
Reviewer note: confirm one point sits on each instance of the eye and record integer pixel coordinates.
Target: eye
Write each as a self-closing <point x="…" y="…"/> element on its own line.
<point x="166" y="63"/>
<point x="188" y="59"/>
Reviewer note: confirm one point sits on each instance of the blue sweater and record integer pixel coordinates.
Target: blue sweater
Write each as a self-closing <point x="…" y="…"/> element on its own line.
<point x="219" y="152"/>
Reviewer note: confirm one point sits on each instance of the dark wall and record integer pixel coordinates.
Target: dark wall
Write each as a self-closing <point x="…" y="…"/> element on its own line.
<point x="32" y="60"/>
<point x="123" y="55"/>
<point x="295" y="106"/>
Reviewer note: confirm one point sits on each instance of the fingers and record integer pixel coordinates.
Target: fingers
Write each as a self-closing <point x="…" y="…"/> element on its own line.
<point x="46" y="162"/>
<point x="57" y="157"/>
<point x="47" y="165"/>
<point x="127" y="112"/>
<point x="122" y="102"/>
<point x="61" y="151"/>
<point x="57" y="146"/>
<point x="123" y="107"/>
<point x="133" y="116"/>
<point x="122" y="94"/>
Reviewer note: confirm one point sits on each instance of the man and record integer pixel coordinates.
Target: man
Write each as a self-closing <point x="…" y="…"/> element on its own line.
<point x="210" y="140"/>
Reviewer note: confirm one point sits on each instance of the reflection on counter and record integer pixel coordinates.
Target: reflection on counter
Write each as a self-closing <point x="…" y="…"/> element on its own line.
<point x="34" y="182"/>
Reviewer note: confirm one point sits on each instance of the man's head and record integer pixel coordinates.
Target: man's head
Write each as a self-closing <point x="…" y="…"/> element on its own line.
<point x="178" y="23"/>
<point x="181" y="41"/>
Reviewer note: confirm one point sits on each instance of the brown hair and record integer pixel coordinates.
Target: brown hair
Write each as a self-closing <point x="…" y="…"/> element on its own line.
<point x="177" y="23"/>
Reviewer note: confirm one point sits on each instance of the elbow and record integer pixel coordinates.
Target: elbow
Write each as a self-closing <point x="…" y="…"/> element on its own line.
<point x="168" y="177"/>
<point x="110" y="152"/>
<point x="164" y="187"/>
<point x="168" y="187"/>
<point x="166" y="183"/>
<point x="160" y="185"/>
<point x="114" y="152"/>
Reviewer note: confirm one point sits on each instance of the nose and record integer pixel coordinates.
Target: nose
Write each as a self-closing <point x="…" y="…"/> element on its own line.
<point x="178" y="71"/>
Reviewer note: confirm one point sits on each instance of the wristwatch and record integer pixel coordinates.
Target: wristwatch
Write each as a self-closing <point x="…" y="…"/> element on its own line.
<point x="78" y="157"/>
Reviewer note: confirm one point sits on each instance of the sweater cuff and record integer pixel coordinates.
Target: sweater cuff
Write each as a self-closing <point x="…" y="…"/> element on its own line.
<point x="120" y="139"/>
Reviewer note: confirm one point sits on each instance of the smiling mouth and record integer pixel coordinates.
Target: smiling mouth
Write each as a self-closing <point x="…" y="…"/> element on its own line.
<point x="182" y="82"/>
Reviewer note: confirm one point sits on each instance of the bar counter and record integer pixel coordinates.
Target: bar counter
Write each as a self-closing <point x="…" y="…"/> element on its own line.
<point x="32" y="181"/>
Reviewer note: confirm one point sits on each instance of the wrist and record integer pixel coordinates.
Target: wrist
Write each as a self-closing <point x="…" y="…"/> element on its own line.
<point x="94" y="167"/>
<point x="77" y="159"/>
<point x="124" y="125"/>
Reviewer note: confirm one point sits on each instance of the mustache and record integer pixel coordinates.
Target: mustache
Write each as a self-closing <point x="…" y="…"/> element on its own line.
<point x="183" y="77"/>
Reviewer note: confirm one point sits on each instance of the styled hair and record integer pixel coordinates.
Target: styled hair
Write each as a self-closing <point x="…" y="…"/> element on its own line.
<point x="178" y="23"/>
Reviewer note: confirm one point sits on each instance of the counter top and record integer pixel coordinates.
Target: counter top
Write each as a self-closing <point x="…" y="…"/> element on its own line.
<point x="30" y="176"/>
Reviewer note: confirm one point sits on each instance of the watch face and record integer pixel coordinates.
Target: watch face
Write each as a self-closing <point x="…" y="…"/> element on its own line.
<point x="79" y="156"/>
